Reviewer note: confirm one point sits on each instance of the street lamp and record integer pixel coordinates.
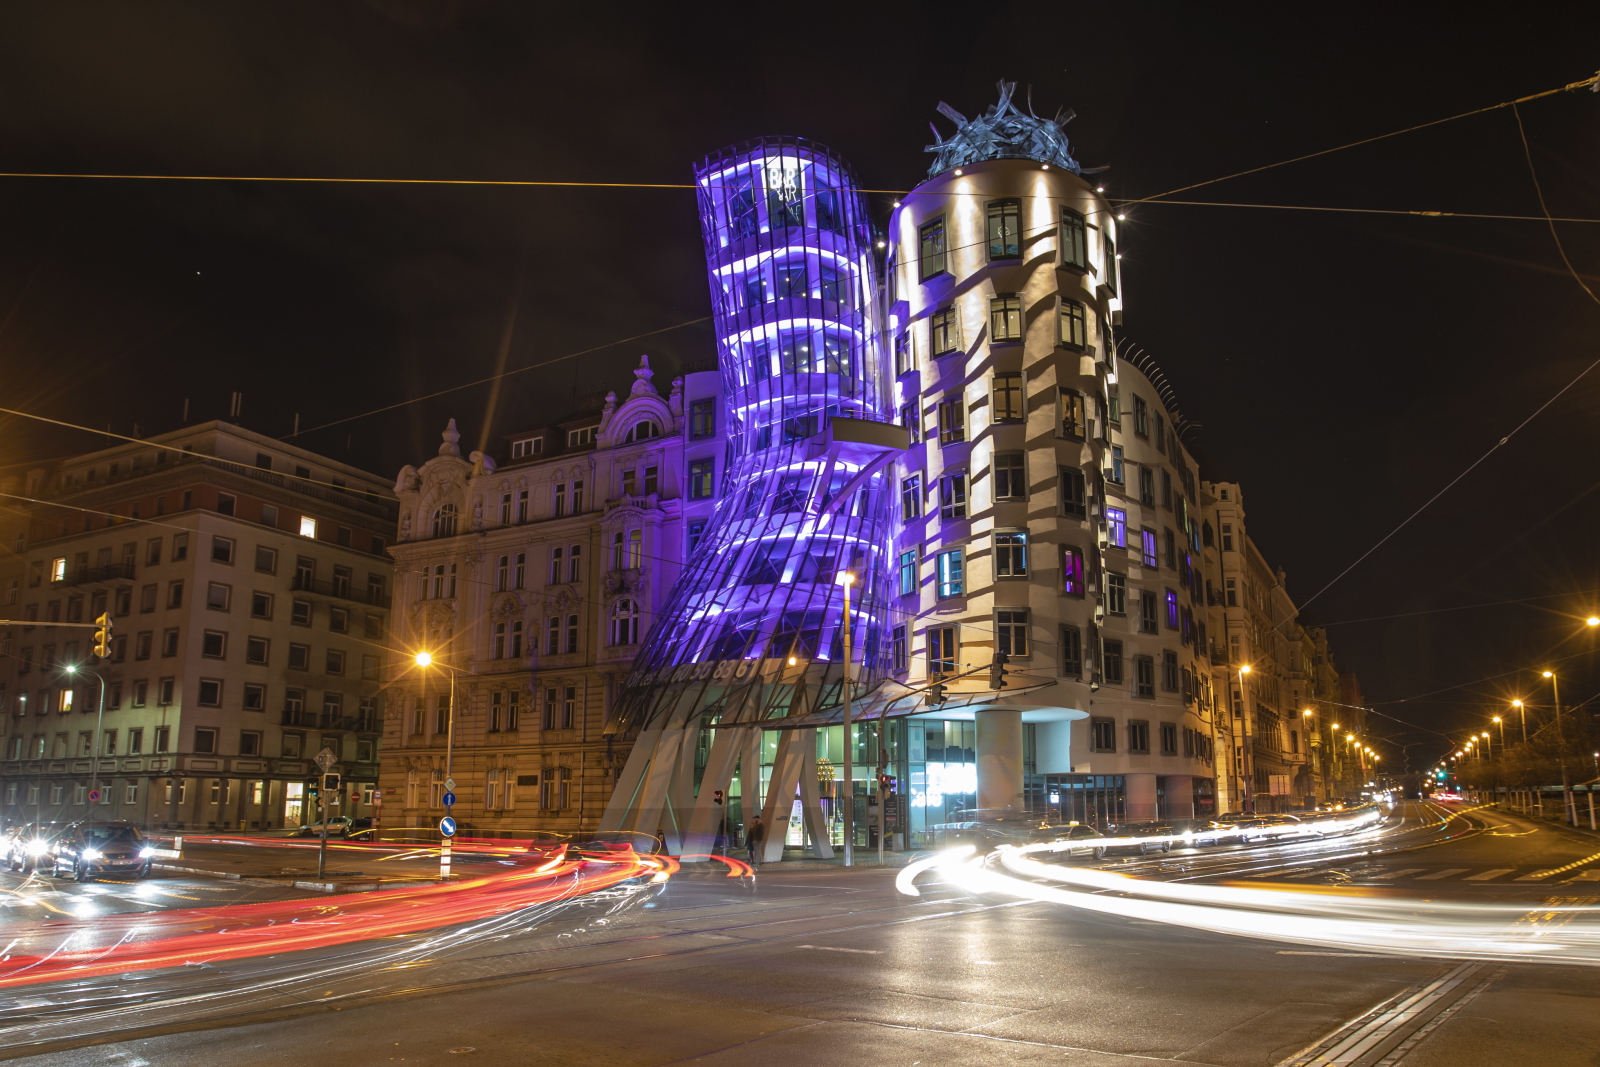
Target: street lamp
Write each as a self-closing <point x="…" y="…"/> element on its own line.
<point x="846" y="579"/>
<point x="99" y="721"/>
<point x="1247" y="795"/>
<point x="1522" y="712"/>
<point x="426" y="659"/>
<point x="1501" y="723"/>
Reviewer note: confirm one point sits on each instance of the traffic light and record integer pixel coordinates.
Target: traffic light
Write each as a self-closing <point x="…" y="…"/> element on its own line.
<point x="886" y="784"/>
<point x="311" y="790"/>
<point x="716" y="796"/>
<point x="330" y="782"/>
<point x="997" y="670"/>
<point x="102" y="636"/>
<point x="935" y="691"/>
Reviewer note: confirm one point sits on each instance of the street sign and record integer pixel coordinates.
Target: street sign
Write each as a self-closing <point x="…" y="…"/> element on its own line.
<point x="94" y="796"/>
<point x="447" y="826"/>
<point x="326" y="759"/>
<point x="449" y="785"/>
<point x="449" y="800"/>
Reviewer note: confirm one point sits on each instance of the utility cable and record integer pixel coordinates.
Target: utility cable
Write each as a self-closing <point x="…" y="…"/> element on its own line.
<point x="1592" y="83"/>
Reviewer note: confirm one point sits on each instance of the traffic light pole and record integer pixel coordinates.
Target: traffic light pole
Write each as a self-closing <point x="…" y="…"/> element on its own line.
<point x="322" y="847"/>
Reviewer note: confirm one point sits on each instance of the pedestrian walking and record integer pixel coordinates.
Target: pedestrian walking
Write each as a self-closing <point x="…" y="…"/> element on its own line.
<point x="754" y="838"/>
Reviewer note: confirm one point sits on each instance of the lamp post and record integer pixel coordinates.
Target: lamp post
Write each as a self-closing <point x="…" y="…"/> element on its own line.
<point x="1569" y="803"/>
<point x="1522" y="712"/>
<point x="1246" y="789"/>
<point x="425" y="659"/>
<point x="99" y="721"/>
<point x="847" y="579"/>
<point x="1501" y="723"/>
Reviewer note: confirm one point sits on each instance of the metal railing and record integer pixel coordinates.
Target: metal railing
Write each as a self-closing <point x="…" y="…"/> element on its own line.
<point x="111" y="572"/>
<point x="341" y="589"/>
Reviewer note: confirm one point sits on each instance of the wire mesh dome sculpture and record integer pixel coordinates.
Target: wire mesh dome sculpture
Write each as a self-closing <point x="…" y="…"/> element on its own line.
<point x="1003" y="132"/>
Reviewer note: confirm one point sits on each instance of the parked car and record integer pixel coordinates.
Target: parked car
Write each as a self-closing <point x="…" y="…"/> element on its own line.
<point x="1141" y="837"/>
<point x="90" y="848"/>
<point x="338" y="826"/>
<point x="1069" y="833"/>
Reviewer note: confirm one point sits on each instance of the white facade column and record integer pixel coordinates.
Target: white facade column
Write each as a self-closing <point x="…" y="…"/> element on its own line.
<point x="999" y="758"/>
<point x="1140" y="797"/>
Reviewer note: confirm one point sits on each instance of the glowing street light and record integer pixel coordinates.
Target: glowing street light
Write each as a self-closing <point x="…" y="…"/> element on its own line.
<point x="426" y="659"/>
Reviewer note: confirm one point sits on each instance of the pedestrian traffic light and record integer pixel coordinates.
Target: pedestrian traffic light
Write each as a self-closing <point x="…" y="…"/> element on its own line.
<point x="102" y="636"/>
<point x="311" y="790"/>
<point x="330" y="782"/>
<point x="935" y="691"/>
<point x="716" y="796"/>
<point x="997" y="670"/>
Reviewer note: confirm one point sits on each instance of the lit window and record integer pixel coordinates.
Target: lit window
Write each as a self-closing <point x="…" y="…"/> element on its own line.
<point x="908" y="572"/>
<point x="308" y="526"/>
<point x="1011" y="555"/>
<point x="931" y="249"/>
<point x="1074" y="325"/>
<point x="1117" y="527"/>
<point x="1005" y="318"/>
<point x="1005" y="229"/>
<point x="1011" y="632"/>
<point x="951" y="573"/>
<point x="1005" y="398"/>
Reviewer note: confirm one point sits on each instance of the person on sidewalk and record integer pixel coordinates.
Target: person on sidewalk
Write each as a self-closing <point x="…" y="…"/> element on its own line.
<point x="754" y="839"/>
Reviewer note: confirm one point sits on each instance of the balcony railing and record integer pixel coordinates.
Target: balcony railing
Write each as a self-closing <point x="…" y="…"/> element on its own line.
<point x="111" y="572"/>
<point x="341" y="589"/>
<point x="321" y="720"/>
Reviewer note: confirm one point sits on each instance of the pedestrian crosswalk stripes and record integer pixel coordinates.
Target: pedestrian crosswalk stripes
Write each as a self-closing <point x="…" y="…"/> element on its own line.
<point x="1535" y="875"/>
<point x="1442" y="874"/>
<point x="1484" y="876"/>
<point x="1398" y="874"/>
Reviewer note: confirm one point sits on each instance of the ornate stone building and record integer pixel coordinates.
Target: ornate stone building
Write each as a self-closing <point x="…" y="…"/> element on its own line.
<point x="532" y="582"/>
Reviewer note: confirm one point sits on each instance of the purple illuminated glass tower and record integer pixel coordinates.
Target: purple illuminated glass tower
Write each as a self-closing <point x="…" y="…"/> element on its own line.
<point x="752" y="632"/>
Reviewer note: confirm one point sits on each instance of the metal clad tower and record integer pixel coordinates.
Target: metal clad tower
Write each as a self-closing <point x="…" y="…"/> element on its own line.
<point x="753" y="630"/>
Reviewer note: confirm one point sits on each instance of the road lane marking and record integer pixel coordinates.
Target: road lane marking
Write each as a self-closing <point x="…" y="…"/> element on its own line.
<point x="831" y="948"/>
<point x="1398" y="874"/>
<point x="1588" y="876"/>
<point x="1436" y="875"/>
<point x="1362" y="955"/>
<point x="1533" y="876"/>
<point x="1484" y="876"/>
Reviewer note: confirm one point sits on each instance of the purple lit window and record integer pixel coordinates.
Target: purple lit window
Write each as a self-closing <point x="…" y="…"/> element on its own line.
<point x="1147" y="545"/>
<point x="1117" y="527"/>
<point x="1172" y="609"/>
<point x="1072" y="570"/>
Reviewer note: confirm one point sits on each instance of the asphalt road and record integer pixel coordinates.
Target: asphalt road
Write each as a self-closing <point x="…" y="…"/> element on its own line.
<point x="833" y="966"/>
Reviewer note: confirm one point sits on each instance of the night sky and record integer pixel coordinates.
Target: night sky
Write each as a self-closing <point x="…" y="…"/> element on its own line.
<point x="1342" y="367"/>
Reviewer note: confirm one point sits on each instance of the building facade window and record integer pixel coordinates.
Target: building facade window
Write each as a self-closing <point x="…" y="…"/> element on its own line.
<point x="950" y="573"/>
<point x="953" y="496"/>
<point x="952" y="420"/>
<point x="1147" y="547"/>
<point x="1072" y="577"/>
<point x="1074" y="243"/>
<point x="1010" y="476"/>
<point x="1005" y="229"/>
<point x="941" y="649"/>
<point x="931" y="252"/>
<point x="1011" y="554"/>
<point x="944" y="331"/>
<point x="625" y="622"/>
<point x="1011" y="631"/>
<point x="701" y="474"/>
<point x="1005" y="318"/>
<point x="1103" y="735"/>
<point x="1116" y="594"/>
<point x="910" y="497"/>
<point x="1074" y="325"/>
<point x="1117" y="527"/>
<point x="1147" y="612"/>
<point x="1073" y="416"/>
<point x="908" y="572"/>
<point x="1074" y="493"/>
<point x="1005" y="397"/>
<point x="1071" y="652"/>
<point x="1111" y="662"/>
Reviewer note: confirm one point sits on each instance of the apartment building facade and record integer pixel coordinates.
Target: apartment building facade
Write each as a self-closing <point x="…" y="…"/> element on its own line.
<point x="248" y="585"/>
<point x="531" y="584"/>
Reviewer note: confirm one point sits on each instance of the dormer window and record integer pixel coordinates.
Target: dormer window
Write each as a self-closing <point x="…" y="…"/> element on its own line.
<point x="643" y="431"/>
<point x="582" y="438"/>
<point x="444" y="521"/>
<point x="528" y="446"/>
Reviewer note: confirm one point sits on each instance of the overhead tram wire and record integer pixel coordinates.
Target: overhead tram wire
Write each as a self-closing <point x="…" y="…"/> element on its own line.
<point x="1591" y="83"/>
<point x="1356" y="210"/>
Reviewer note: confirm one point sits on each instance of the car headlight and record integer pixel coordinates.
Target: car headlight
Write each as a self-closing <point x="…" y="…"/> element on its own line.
<point x="91" y="854"/>
<point x="146" y="853"/>
<point x="35" y="847"/>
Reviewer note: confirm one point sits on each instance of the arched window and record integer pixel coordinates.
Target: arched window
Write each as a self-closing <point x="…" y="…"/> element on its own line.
<point x="643" y="431"/>
<point x="444" y="521"/>
<point x="624" y="622"/>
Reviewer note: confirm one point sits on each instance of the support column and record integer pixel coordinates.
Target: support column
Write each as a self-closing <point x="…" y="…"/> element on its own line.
<point x="1141" y="797"/>
<point x="1180" y="796"/>
<point x="708" y="814"/>
<point x="779" y="806"/>
<point x="1000" y="759"/>
<point x="811" y="799"/>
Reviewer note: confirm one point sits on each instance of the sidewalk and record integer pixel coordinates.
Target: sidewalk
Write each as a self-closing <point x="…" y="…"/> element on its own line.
<point x="1550" y="821"/>
<point x="293" y="867"/>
